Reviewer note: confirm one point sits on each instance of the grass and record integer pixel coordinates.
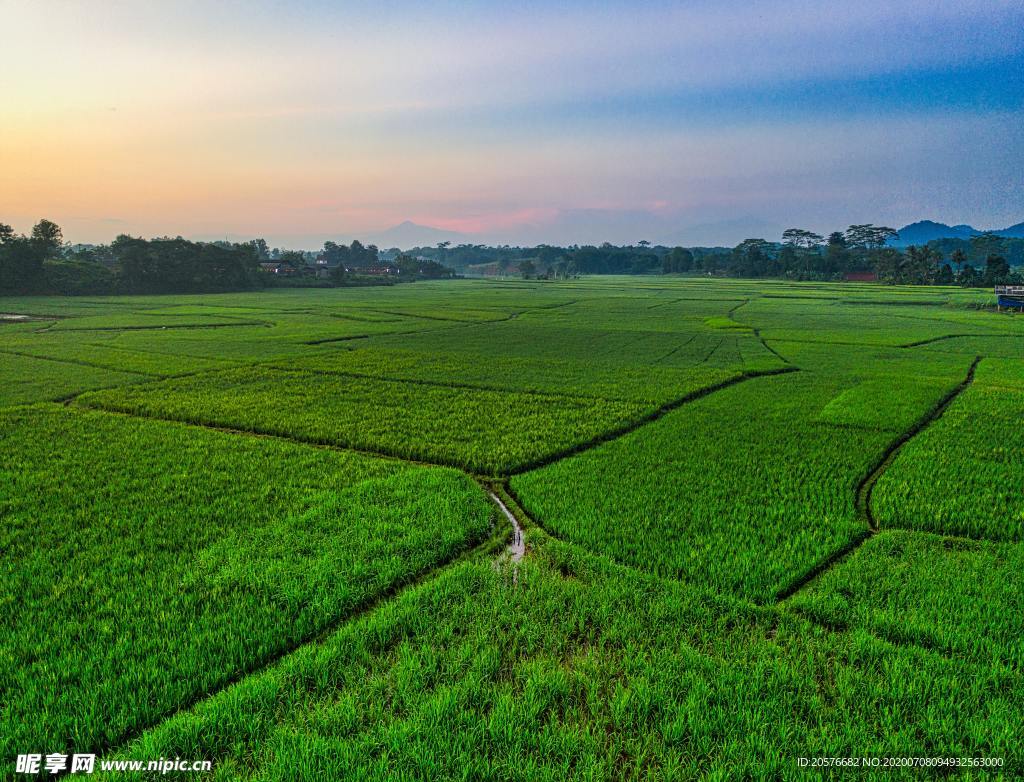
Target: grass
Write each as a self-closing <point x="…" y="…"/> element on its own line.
<point x="484" y="431"/>
<point x="132" y="586"/>
<point x="750" y="489"/>
<point x="963" y="475"/>
<point x="654" y="385"/>
<point x="27" y="379"/>
<point x="720" y="492"/>
<point x="961" y="597"/>
<point x="587" y="671"/>
<point x="291" y="608"/>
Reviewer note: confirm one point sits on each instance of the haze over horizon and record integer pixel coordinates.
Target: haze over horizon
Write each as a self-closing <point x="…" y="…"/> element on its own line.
<point x="587" y="123"/>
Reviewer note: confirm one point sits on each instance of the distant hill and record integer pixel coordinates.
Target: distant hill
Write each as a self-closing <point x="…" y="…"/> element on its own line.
<point x="408" y="234"/>
<point x="1013" y="232"/>
<point x="925" y="231"/>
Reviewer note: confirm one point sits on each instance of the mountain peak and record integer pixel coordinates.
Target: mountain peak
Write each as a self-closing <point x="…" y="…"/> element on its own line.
<point x="408" y="234"/>
<point x="924" y="231"/>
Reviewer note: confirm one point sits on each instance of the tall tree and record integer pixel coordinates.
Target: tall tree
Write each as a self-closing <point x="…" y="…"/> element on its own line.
<point x="997" y="270"/>
<point x="869" y="236"/>
<point x="958" y="258"/>
<point x="888" y="264"/>
<point x="751" y="257"/>
<point x="442" y="251"/>
<point x="969" y="277"/>
<point x="47" y="237"/>
<point x="921" y="265"/>
<point x="677" y="260"/>
<point x="837" y="255"/>
<point x="801" y="239"/>
<point x="805" y="245"/>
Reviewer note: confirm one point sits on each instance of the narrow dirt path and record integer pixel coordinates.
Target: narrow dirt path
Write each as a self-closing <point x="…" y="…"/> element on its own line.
<point x="517" y="547"/>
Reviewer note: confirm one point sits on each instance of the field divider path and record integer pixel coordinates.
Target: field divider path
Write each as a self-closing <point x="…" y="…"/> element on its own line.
<point x="676" y="349"/>
<point x="572" y="450"/>
<point x="757" y="334"/>
<point x="881" y="634"/>
<point x="170" y="327"/>
<point x="270" y="435"/>
<point x="932" y="340"/>
<point x="516" y="548"/>
<point x="867" y="486"/>
<point x="650" y="417"/>
<point x="81" y="363"/>
<point x="449" y="325"/>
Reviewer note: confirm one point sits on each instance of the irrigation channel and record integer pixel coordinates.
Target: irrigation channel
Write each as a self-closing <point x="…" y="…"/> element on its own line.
<point x="517" y="546"/>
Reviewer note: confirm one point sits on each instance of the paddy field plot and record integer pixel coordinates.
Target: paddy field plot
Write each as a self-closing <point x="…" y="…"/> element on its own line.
<point x="963" y="475"/>
<point x="483" y="431"/>
<point x="31" y="379"/>
<point x="763" y="520"/>
<point x="146" y="563"/>
<point x="959" y="596"/>
<point x="587" y="671"/>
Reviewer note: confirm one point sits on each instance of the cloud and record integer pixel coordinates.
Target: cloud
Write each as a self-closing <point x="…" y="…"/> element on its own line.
<point x="578" y="121"/>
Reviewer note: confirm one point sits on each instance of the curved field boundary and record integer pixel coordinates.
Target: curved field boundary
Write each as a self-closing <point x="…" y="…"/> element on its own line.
<point x="757" y="333"/>
<point x="957" y="336"/>
<point x="311" y="443"/>
<point x="770" y="349"/>
<point x="867" y="486"/>
<point x="654" y="415"/>
<point x="450" y="324"/>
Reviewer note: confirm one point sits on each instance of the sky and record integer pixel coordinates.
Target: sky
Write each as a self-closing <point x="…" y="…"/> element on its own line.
<point x="496" y="122"/>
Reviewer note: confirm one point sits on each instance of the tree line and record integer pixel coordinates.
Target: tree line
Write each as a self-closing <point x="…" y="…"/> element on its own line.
<point x="862" y="249"/>
<point x="866" y="248"/>
<point x="42" y="263"/>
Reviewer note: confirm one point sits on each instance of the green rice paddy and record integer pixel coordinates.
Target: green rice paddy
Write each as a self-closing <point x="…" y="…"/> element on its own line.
<point x="764" y="521"/>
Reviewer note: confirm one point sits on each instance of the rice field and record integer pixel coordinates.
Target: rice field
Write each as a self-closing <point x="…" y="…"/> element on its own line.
<point x="763" y="521"/>
<point x="134" y="585"/>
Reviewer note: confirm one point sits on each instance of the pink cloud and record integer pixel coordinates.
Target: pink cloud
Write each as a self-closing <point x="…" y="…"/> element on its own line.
<point x="489" y="222"/>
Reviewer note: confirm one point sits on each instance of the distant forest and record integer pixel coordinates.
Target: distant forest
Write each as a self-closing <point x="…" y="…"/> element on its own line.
<point x="42" y="263"/>
<point x="860" y="250"/>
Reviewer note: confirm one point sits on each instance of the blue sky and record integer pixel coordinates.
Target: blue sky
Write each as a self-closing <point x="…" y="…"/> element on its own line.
<point x="683" y="122"/>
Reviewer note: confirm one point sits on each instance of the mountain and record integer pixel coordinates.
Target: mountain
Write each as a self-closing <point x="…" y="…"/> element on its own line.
<point x="924" y="231"/>
<point x="408" y="234"/>
<point x="1013" y="232"/>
